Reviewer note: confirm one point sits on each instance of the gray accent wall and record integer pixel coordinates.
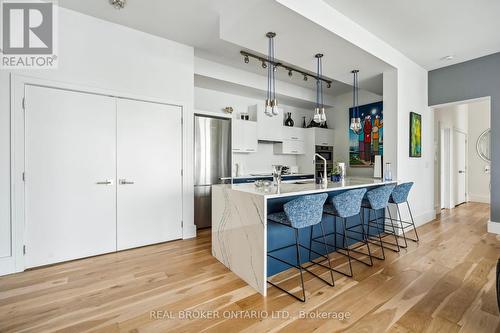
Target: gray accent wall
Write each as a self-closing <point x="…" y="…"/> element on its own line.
<point x="473" y="79"/>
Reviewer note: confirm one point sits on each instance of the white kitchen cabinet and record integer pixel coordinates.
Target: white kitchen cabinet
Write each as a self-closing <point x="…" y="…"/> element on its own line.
<point x="244" y="136"/>
<point x="294" y="133"/>
<point x="291" y="147"/>
<point x="268" y="128"/>
<point x="323" y="136"/>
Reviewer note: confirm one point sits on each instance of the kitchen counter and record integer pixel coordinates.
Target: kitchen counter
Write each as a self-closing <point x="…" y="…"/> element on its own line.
<point x="302" y="187"/>
<point x="266" y="175"/>
<point x="240" y="232"/>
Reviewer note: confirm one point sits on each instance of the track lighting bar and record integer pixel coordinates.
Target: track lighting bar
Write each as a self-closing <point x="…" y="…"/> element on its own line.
<point x="246" y="56"/>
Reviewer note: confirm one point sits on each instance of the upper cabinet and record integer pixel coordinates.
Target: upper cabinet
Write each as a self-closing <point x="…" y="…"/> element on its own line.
<point x="294" y="133"/>
<point x="268" y="128"/>
<point x="293" y="141"/>
<point x="323" y="136"/>
<point x="244" y="136"/>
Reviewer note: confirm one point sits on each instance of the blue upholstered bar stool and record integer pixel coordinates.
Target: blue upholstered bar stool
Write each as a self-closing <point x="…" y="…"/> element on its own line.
<point x="344" y="206"/>
<point x="400" y="196"/>
<point x="300" y="213"/>
<point x="376" y="200"/>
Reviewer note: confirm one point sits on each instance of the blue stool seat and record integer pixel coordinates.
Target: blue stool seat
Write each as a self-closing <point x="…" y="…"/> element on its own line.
<point x="375" y="200"/>
<point x="343" y="206"/>
<point x="303" y="212"/>
<point x="329" y="209"/>
<point x="400" y="196"/>
<point x="279" y="217"/>
<point x="400" y="193"/>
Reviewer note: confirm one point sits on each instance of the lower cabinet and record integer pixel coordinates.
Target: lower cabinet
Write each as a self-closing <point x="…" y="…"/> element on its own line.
<point x="102" y="174"/>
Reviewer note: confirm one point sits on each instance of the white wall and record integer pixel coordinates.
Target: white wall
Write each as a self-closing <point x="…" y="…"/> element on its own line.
<point x="479" y="180"/>
<point x="261" y="161"/>
<point x="339" y="120"/>
<point x="100" y="54"/>
<point x="405" y="90"/>
<point x="454" y="117"/>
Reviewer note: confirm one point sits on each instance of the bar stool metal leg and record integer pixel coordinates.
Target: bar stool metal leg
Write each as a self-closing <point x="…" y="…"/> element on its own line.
<point x="381" y="244"/>
<point x="402" y="226"/>
<point x="412" y="222"/>
<point x="327" y="251"/>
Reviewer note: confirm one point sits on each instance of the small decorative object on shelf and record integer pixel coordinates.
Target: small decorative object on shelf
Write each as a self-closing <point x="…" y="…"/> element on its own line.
<point x="336" y="174"/>
<point x="289" y="121"/>
<point x="313" y="123"/>
<point x="304" y="125"/>
<point x="228" y="109"/>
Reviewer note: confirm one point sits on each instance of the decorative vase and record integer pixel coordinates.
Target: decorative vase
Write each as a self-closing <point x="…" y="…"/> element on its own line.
<point x="289" y="121"/>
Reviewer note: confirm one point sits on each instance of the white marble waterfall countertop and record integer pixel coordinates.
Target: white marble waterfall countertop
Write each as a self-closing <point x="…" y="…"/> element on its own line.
<point x="301" y="187"/>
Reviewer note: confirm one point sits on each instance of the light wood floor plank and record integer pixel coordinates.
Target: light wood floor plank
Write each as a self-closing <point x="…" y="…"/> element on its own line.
<point x="445" y="283"/>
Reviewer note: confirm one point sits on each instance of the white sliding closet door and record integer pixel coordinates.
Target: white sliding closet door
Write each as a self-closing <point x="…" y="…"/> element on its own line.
<point x="149" y="153"/>
<point x="70" y="175"/>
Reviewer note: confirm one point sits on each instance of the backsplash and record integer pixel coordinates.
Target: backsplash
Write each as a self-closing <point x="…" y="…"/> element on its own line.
<point x="262" y="160"/>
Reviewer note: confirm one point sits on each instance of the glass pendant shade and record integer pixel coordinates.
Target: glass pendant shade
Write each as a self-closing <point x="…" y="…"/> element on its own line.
<point x="319" y="110"/>
<point x="356" y="125"/>
<point x="271" y="107"/>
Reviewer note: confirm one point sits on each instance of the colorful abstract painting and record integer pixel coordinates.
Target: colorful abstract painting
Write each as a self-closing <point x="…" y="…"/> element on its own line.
<point x="363" y="146"/>
<point x="415" y="135"/>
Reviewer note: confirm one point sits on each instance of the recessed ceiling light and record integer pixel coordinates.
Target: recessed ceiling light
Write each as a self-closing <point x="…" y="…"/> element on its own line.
<point x="118" y="4"/>
<point x="448" y="58"/>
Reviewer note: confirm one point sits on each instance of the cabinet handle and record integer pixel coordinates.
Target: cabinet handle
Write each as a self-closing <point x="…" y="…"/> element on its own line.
<point x="294" y="138"/>
<point x="106" y="182"/>
<point x="295" y="151"/>
<point x="236" y="149"/>
<point x="125" y="182"/>
<point x="250" y="149"/>
<point x="324" y="143"/>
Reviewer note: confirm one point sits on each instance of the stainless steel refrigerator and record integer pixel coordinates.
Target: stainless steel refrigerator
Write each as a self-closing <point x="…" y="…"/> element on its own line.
<point x="212" y="161"/>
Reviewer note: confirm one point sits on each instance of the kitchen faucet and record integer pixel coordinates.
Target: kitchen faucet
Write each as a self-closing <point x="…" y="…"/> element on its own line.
<point x="325" y="178"/>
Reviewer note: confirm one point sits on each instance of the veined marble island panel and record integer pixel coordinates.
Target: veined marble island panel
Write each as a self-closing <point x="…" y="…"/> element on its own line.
<point x="239" y="233"/>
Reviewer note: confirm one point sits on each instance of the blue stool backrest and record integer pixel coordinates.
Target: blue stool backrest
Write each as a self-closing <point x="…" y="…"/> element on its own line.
<point x="306" y="210"/>
<point x="348" y="203"/>
<point x="379" y="197"/>
<point x="400" y="192"/>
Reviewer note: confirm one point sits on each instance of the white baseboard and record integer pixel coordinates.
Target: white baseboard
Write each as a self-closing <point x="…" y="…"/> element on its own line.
<point x="424" y="218"/>
<point x="494" y="227"/>
<point x="189" y="231"/>
<point x="478" y="198"/>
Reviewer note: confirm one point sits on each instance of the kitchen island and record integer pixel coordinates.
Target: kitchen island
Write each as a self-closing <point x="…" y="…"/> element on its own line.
<point x="241" y="235"/>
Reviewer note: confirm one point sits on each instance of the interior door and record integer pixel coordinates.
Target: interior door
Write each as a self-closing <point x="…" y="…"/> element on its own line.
<point x="149" y="154"/>
<point x="460" y="145"/>
<point x="70" y="175"/>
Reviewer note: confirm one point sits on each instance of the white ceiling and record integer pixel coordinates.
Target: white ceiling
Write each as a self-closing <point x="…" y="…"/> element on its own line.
<point x="428" y="30"/>
<point x="197" y="23"/>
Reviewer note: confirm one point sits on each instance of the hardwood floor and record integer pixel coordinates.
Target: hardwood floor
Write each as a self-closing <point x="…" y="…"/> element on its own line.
<point x="446" y="283"/>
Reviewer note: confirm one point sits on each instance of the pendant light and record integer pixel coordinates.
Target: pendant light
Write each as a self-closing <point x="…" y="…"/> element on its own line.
<point x="355" y="125"/>
<point x="319" y="111"/>
<point x="271" y="108"/>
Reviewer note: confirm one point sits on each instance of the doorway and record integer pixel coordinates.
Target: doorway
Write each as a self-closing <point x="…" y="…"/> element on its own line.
<point x="462" y="174"/>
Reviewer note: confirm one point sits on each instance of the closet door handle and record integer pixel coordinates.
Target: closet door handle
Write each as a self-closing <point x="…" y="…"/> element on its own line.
<point x="105" y="182"/>
<point x="125" y="182"/>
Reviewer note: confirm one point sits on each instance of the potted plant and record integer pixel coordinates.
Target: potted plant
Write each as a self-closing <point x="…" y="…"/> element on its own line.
<point x="336" y="173"/>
